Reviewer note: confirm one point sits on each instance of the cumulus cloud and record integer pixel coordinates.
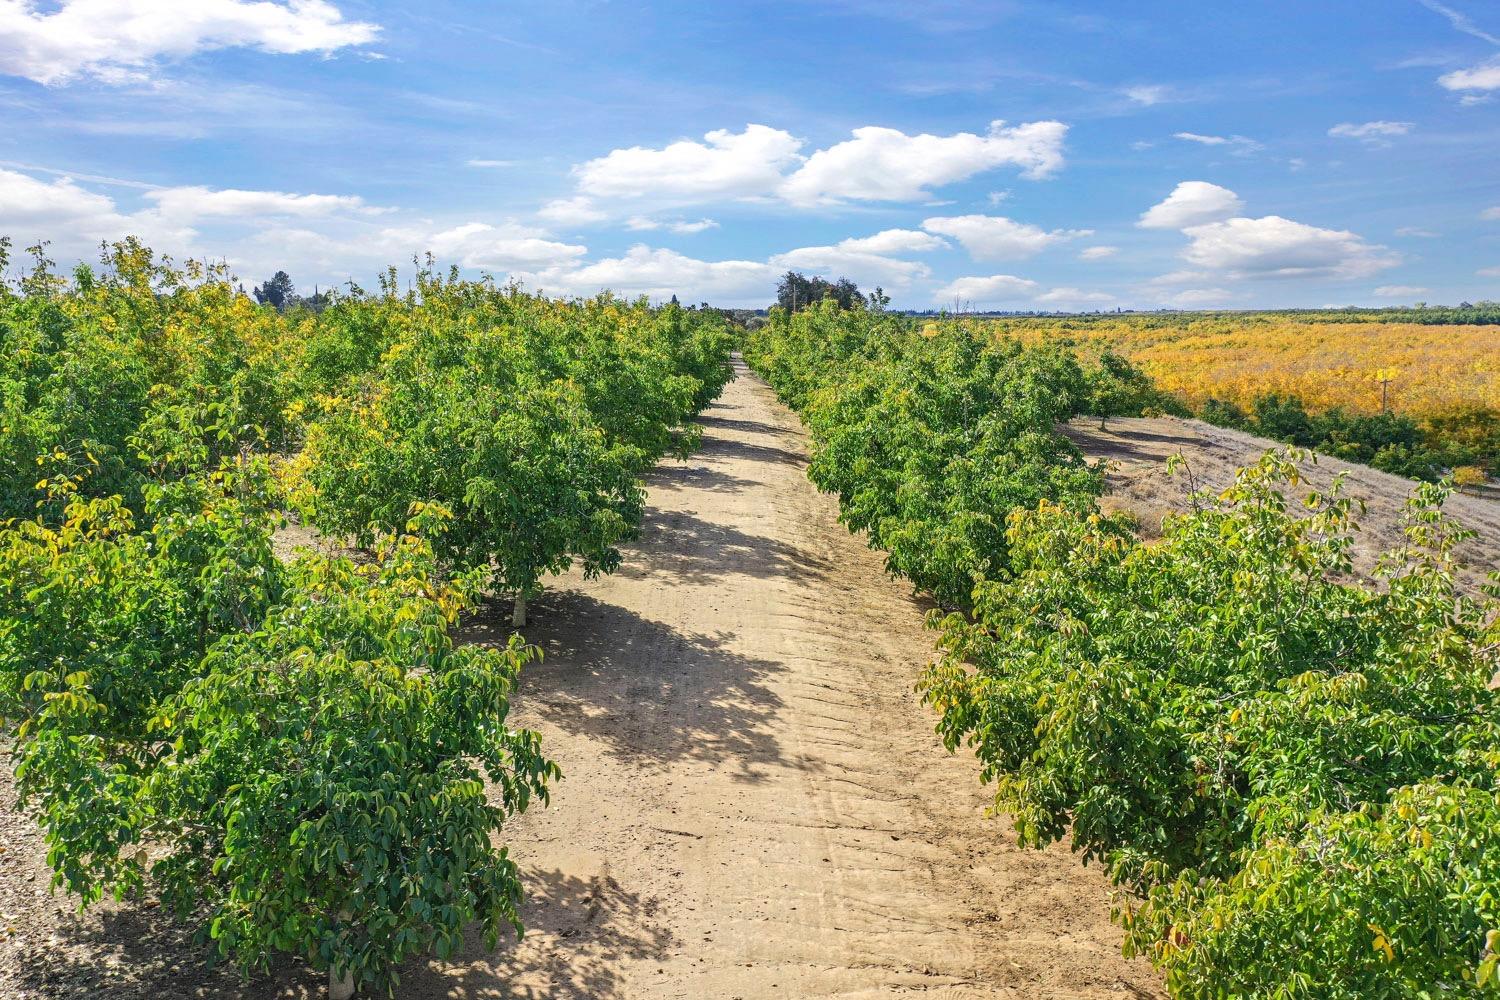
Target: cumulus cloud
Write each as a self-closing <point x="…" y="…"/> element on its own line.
<point x="1073" y="297"/>
<point x="194" y="202"/>
<point x="1485" y="76"/>
<point x="984" y="292"/>
<point x="724" y="165"/>
<point x="74" y="218"/>
<point x="760" y="162"/>
<point x="866" y="269"/>
<point x="642" y="223"/>
<point x="1371" y="132"/>
<point x="1274" y="247"/>
<point x="1399" y="291"/>
<point x="994" y="237"/>
<point x="505" y="248"/>
<point x="117" y="41"/>
<point x="575" y="211"/>
<point x="1490" y="214"/>
<point x="885" y="164"/>
<point x="894" y="241"/>
<point x="1192" y="203"/>
<point x="1148" y="94"/>
<point x="1097" y="253"/>
<point x="1196" y="298"/>
<point x="662" y="273"/>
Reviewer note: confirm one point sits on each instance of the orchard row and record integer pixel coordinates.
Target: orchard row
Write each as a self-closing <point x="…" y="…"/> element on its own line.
<point x="293" y="752"/>
<point x="1293" y="776"/>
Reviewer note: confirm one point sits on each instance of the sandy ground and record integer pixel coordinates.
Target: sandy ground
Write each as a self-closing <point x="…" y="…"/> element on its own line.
<point x="754" y="805"/>
<point x="1137" y="448"/>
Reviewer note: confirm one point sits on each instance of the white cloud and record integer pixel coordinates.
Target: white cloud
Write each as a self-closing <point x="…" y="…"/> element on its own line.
<point x="122" y="40"/>
<point x="889" y="241"/>
<point x="1148" y="94"/>
<point x="643" y="223"/>
<point x="662" y="273"/>
<point x="1273" y="247"/>
<point x="1371" y="132"/>
<point x="725" y="165"/>
<point x="575" y="211"/>
<point x="1485" y="76"/>
<point x="1179" y="278"/>
<point x="1238" y="144"/>
<point x="504" y="248"/>
<point x="1460" y="21"/>
<point x="1192" y="203"/>
<point x="1490" y="214"/>
<point x="1418" y="232"/>
<point x="1399" y="291"/>
<point x="984" y="292"/>
<point x="884" y="164"/>
<point x="492" y="164"/>
<point x="865" y="269"/>
<point x="1488" y="272"/>
<point x="1007" y="290"/>
<point x="1197" y="298"/>
<point x="188" y="204"/>
<point x="688" y="228"/>
<point x="1073" y="297"/>
<point x="75" y="219"/>
<point x="994" y="237"/>
<point x="1097" y="253"/>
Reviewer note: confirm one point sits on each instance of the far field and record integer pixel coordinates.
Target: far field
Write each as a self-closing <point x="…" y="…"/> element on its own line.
<point x="1428" y="370"/>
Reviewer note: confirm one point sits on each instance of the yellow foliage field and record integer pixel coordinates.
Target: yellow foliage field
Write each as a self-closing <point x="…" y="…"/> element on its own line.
<point x="1430" y="370"/>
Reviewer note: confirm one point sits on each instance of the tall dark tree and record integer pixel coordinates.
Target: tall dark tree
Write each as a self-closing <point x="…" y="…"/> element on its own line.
<point x="796" y="292"/>
<point x="277" y="292"/>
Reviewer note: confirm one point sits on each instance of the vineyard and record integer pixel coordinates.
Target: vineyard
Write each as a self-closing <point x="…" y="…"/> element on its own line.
<point x="1281" y="756"/>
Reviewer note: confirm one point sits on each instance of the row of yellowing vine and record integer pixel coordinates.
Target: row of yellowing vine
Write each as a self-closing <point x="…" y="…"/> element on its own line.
<point x="1292" y="775"/>
<point x="293" y="753"/>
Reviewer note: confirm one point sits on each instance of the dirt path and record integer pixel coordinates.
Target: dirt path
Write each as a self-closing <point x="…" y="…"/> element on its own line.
<point x="755" y="804"/>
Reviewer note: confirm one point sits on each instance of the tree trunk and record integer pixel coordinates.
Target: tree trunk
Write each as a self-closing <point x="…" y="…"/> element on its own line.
<point x="518" y="613"/>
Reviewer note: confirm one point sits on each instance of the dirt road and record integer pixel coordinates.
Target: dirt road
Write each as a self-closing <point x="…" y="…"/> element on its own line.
<point x="754" y="805"/>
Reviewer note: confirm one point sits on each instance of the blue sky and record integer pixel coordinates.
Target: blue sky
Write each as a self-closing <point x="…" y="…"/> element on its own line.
<point x="1009" y="154"/>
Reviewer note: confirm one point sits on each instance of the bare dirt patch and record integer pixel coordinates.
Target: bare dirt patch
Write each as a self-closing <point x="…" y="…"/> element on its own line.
<point x="1137" y="448"/>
